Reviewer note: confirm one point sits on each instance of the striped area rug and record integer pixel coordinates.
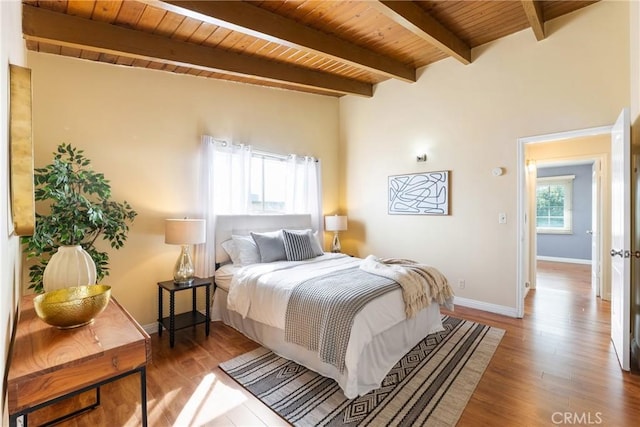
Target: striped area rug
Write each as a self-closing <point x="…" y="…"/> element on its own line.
<point x="429" y="386"/>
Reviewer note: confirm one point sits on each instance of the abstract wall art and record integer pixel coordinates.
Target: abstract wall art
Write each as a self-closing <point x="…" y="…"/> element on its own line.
<point x="425" y="193"/>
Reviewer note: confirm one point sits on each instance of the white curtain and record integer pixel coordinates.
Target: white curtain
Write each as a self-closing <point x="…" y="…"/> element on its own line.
<point x="304" y="189"/>
<point x="225" y="178"/>
<point x="225" y="183"/>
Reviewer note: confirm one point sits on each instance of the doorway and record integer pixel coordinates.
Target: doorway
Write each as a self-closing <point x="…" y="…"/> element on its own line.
<point x="567" y="211"/>
<point x="578" y="146"/>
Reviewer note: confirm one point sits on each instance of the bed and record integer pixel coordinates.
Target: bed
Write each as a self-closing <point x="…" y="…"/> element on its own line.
<point x="254" y="300"/>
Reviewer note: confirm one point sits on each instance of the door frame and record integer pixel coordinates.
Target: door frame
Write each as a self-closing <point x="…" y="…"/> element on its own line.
<point x="595" y="161"/>
<point x="597" y="176"/>
<point x="524" y="255"/>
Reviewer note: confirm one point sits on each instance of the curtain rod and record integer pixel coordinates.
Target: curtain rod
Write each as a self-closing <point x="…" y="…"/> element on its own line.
<point x="262" y="153"/>
<point x="271" y="155"/>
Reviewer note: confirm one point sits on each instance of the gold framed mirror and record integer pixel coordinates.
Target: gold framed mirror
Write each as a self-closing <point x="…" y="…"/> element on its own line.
<point x="21" y="151"/>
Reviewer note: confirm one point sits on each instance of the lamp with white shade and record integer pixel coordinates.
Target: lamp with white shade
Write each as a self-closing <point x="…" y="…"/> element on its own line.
<point x="184" y="232"/>
<point x="335" y="223"/>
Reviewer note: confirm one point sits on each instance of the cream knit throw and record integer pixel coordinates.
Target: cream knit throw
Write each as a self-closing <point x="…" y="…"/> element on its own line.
<point x="420" y="283"/>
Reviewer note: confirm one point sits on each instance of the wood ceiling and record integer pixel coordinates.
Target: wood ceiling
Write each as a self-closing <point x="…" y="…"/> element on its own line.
<point x="325" y="47"/>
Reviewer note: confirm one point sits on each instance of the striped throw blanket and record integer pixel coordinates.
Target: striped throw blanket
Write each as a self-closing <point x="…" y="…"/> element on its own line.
<point x="420" y="283"/>
<point x="321" y="311"/>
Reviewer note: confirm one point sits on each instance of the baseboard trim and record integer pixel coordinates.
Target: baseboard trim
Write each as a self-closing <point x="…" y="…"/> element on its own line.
<point x="567" y="260"/>
<point x="486" y="306"/>
<point x="635" y="356"/>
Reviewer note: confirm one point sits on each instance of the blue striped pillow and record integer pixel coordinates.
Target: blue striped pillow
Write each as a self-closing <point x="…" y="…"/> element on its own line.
<point x="297" y="246"/>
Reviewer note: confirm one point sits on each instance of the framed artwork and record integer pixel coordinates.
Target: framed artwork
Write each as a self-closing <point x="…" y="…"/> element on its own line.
<point x="21" y="151"/>
<point x="424" y="193"/>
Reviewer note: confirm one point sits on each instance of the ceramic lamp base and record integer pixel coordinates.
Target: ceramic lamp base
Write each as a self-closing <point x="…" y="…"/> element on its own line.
<point x="335" y="245"/>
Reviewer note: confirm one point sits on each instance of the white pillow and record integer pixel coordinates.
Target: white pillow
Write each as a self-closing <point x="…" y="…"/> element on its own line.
<point x="230" y="248"/>
<point x="315" y="244"/>
<point x="246" y="249"/>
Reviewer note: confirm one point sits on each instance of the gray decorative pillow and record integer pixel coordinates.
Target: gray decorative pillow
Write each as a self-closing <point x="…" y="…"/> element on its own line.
<point x="298" y="245"/>
<point x="270" y="246"/>
<point x="313" y="236"/>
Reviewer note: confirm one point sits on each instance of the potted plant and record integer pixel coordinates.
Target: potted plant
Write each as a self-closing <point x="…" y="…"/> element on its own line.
<point x="77" y="211"/>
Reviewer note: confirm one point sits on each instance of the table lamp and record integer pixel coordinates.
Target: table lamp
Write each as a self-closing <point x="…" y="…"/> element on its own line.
<point x="335" y="223"/>
<point x="184" y="232"/>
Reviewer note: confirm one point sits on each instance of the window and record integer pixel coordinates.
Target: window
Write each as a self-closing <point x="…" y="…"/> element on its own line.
<point x="553" y="210"/>
<point x="268" y="184"/>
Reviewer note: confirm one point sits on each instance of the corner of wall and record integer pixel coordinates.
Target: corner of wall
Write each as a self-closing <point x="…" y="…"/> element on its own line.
<point x="12" y="50"/>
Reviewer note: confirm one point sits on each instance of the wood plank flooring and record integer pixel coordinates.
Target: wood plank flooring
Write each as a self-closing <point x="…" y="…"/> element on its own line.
<point x="555" y="366"/>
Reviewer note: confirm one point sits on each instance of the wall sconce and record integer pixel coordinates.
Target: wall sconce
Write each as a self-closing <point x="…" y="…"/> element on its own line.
<point x="421" y="158"/>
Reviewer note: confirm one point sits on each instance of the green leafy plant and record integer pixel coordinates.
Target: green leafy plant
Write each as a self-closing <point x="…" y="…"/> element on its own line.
<point x="80" y="210"/>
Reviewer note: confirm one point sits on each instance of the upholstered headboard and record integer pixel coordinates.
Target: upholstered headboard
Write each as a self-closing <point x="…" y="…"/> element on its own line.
<point x="226" y="225"/>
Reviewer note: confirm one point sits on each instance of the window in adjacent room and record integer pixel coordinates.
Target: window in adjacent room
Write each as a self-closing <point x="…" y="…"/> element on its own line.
<point x="268" y="183"/>
<point x="553" y="210"/>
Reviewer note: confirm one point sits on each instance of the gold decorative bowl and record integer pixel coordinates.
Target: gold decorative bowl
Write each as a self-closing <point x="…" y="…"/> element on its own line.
<point x="72" y="307"/>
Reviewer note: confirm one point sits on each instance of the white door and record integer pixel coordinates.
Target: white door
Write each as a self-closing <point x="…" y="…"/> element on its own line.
<point x="621" y="238"/>
<point x="595" y="228"/>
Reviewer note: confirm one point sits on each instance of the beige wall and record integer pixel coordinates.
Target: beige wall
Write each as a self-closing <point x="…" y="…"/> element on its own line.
<point x="142" y="129"/>
<point x="571" y="149"/>
<point x="11" y="51"/>
<point x="468" y="119"/>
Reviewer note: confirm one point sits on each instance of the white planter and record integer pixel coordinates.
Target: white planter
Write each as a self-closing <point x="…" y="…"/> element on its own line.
<point x="69" y="266"/>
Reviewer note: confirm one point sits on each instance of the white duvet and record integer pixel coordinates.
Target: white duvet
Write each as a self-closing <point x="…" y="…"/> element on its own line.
<point x="261" y="292"/>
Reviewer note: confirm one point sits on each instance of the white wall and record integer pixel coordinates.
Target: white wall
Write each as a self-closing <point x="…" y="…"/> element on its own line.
<point x="142" y="129"/>
<point x="11" y="51"/>
<point x="468" y="119"/>
<point x="634" y="53"/>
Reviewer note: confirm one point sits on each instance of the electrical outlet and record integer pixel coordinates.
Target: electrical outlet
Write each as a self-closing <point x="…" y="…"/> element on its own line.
<point x="502" y="218"/>
<point x="461" y="284"/>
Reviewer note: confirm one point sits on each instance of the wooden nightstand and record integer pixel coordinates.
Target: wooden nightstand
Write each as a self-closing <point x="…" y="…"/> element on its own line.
<point x="191" y="318"/>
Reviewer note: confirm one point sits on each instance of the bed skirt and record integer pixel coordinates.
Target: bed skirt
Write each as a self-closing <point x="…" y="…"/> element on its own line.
<point x="363" y="373"/>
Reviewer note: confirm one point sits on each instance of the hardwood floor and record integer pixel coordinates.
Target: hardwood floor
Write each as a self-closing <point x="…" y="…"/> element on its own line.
<point x="556" y="366"/>
<point x="556" y="362"/>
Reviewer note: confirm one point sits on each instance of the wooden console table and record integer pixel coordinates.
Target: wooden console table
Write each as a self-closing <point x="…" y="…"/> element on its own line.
<point x="48" y="365"/>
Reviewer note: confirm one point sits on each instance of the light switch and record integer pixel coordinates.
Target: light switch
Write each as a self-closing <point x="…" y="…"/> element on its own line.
<point x="502" y="218"/>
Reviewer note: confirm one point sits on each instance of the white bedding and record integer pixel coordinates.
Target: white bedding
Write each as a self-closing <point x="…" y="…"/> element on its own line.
<point x="224" y="275"/>
<point x="258" y="296"/>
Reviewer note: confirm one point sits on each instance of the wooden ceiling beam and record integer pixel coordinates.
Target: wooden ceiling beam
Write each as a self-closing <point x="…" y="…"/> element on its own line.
<point x="533" y="10"/>
<point x="416" y="20"/>
<point x="260" y="23"/>
<point x="42" y="25"/>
